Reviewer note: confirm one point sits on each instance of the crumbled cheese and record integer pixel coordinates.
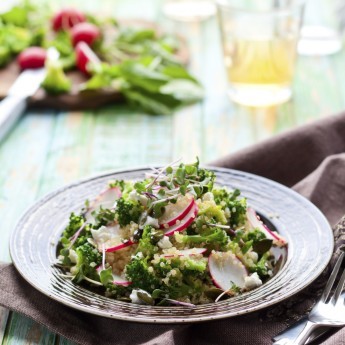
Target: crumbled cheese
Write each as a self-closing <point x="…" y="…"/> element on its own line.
<point x="133" y="195"/>
<point x="73" y="256"/>
<point x="227" y="212"/>
<point x="134" y="296"/>
<point x="254" y="256"/>
<point x="152" y="221"/>
<point x="208" y="196"/>
<point x="164" y="243"/>
<point x="105" y="234"/>
<point x="252" y="281"/>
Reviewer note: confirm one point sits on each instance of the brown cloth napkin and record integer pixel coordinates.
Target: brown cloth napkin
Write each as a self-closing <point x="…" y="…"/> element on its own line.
<point x="312" y="160"/>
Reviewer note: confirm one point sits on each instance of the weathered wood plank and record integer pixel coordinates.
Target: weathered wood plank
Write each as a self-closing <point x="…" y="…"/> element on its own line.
<point x="22" y="157"/>
<point x="22" y="330"/>
<point x="4" y="314"/>
<point x="64" y="341"/>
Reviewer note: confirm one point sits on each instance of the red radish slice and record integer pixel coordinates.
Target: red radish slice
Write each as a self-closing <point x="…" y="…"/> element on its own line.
<point x="32" y="57"/>
<point x="119" y="246"/>
<point x="67" y="18"/>
<point x="183" y="223"/>
<point x="175" y="212"/>
<point x="110" y="238"/>
<point x="106" y="199"/>
<point x="85" y="56"/>
<point x="226" y="269"/>
<point x="187" y="252"/>
<point x="117" y="280"/>
<point x="255" y="222"/>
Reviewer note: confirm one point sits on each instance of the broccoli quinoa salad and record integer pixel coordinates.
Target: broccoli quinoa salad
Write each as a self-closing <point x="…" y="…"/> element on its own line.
<point x="173" y="238"/>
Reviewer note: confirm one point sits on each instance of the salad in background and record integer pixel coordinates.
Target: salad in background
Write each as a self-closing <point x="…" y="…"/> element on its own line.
<point x="140" y="63"/>
<point x="173" y="238"/>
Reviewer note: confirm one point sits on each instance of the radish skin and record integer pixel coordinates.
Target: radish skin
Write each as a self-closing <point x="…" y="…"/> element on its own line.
<point x="167" y="223"/>
<point x="255" y="222"/>
<point x="226" y="269"/>
<point x="184" y="223"/>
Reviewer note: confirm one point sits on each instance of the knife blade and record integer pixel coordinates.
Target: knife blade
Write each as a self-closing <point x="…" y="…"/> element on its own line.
<point x="25" y="86"/>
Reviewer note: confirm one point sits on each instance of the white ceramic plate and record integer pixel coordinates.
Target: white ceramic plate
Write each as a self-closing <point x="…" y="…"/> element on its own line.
<point x="34" y="241"/>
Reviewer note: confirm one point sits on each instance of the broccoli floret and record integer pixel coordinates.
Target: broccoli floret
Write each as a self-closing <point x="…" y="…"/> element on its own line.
<point x="125" y="186"/>
<point x="137" y="271"/>
<point x="256" y="235"/>
<point x="117" y="291"/>
<point x="261" y="268"/>
<point x="88" y="254"/>
<point x="181" y="277"/>
<point x="214" y="238"/>
<point x="147" y="242"/>
<point x="128" y="211"/>
<point x="88" y="257"/>
<point x="231" y="200"/>
<point x="75" y="222"/>
<point x="55" y="81"/>
<point x="211" y="210"/>
<point x="103" y="217"/>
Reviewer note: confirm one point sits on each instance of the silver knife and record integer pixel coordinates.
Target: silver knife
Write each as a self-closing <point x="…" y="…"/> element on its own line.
<point x="25" y="86"/>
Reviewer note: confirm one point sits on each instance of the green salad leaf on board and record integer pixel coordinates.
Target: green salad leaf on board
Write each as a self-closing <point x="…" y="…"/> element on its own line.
<point x="138" y="62"/>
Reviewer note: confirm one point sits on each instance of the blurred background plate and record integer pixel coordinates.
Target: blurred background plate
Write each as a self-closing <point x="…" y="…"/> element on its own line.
<point x="34" y="241"/>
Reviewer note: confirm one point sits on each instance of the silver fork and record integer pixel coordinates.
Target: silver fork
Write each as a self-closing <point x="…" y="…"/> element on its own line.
<point x="330" y="309"/>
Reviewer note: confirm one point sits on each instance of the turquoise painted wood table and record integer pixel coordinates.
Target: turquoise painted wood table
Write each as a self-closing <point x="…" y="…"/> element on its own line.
<point x="47" y="148"/>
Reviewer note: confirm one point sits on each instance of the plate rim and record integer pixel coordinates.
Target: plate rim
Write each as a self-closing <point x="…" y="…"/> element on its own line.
<point x="16" y="230"/>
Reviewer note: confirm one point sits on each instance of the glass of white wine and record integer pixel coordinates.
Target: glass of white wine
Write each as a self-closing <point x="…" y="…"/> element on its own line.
<point x="259" y="41"/>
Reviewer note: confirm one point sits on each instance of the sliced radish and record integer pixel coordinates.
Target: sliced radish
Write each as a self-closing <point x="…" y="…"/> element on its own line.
<point x="187" y="252"/>
<point x="175" y="212"/>
<point x="106" y="199"/>
<point x="183" y="223"/>
<point x="85" y="56"/>
<point x="117" y="280"/>
<point x="119" y="246"/>
<point x="226" y="269"/>
<point x="255" y="222"/>
<point x="110" y="237"/>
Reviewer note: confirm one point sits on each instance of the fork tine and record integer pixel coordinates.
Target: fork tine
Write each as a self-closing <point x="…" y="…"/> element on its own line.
<point x="339" y="288"/>
<point x="331" y="279"/>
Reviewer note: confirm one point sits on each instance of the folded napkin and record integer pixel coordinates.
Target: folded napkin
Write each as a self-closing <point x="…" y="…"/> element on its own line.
<point x="312" y="160"/>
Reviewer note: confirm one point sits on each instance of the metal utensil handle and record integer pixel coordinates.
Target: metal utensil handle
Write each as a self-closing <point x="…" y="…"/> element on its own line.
<point x="304" y="335"/>
<point x="289" y="335"/>
<point x="10" y="110"/>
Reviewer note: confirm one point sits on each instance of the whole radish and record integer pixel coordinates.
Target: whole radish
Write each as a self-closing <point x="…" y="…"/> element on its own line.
<point x="32" y="57"/>
<point x="67" y="18"/>
<point x="85" y="32"/>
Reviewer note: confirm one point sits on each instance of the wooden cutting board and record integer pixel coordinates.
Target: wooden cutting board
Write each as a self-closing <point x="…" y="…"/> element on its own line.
<point x="76" y="100"/>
